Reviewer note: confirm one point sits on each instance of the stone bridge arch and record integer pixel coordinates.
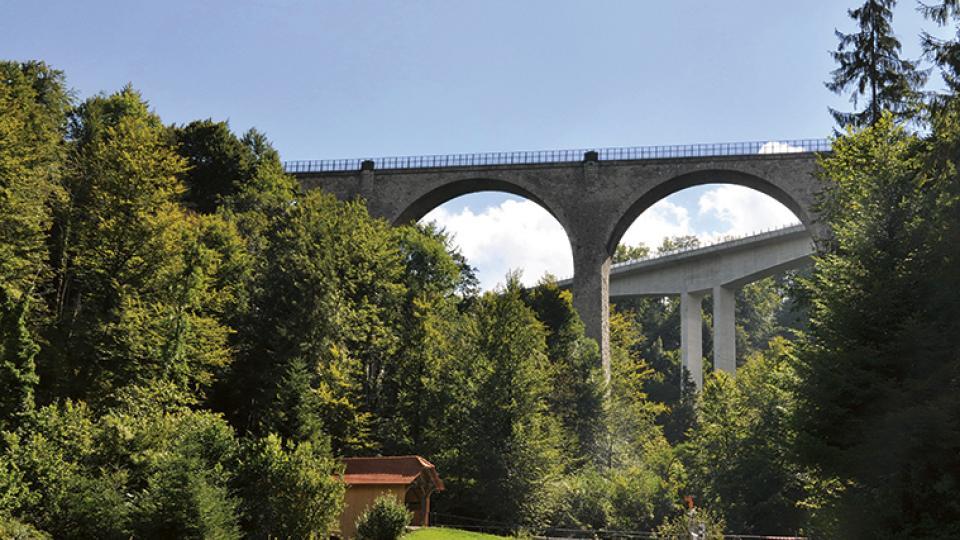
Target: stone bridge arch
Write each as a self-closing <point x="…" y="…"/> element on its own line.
<point x="420" y="204"/>
<point x="794" y="200"/>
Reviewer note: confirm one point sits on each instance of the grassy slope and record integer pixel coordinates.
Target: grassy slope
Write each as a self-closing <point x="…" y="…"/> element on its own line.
<point x="440" y="533"/>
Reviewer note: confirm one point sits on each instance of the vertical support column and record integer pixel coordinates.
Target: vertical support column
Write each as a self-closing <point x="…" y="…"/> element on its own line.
<point x="724" y="330"/>
<point x="591" y="266"/>
<point x="691" y="336"/>
<point x="591" y="278"/>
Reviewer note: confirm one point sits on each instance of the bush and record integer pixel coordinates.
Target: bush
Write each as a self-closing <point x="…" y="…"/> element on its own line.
<point x="73" y="493"/>
<point x="180" y="466"/>
<point x="11" y="529"/>
<point x="147" y="474"/>
<point x="290" y="490"/>
<point x="680" y="525"/>
<point x="385" y="519"/>
<point x="582" y="501"/>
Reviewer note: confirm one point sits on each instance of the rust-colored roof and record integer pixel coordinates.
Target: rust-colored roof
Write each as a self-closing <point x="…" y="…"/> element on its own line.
<point x="392" y="470"/>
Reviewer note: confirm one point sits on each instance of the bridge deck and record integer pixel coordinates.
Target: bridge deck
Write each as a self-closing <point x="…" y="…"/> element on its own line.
<point x="727" y="263"/>
<point x="562" y="156"/>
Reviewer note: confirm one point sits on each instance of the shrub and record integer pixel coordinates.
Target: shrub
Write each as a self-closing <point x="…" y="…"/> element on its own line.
<point x="11" y="529"/>
<point x="180" y="465"/>
<point x="385" y="519"/>
<point x="582" y="501"/>
<point x="679" y="526"/>
<point x="73" y="494"/>
<point x="143" y="474"/>
<point x="14" y="492"/>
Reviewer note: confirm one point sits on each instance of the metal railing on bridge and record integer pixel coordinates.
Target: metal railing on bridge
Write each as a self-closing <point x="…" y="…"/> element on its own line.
<point x="563" y="156"/>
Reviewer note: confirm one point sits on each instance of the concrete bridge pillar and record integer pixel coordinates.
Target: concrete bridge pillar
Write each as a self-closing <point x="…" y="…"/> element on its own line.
<point x="724" y="330"/>
<point x="691" y="336"/>
<point x="591" y="278"/>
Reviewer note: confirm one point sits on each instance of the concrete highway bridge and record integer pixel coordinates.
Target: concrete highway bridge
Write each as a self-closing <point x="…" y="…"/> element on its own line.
<point x="595" y="195"/>
<point x="718" y="270"/>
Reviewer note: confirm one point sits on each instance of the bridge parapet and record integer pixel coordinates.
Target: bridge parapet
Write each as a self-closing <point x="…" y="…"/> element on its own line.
<point x="483" y="159"/>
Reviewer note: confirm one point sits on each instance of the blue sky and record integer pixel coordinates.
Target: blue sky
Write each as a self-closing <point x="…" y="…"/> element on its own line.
<point x="330" y="79"/>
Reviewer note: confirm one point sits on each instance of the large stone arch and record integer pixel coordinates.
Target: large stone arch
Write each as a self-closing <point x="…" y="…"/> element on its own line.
<point x="423" y="203"/>
<point x="798" y="203"/>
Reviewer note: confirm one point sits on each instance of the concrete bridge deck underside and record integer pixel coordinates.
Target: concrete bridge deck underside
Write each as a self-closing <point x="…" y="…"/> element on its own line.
<point x="718" y="270"/>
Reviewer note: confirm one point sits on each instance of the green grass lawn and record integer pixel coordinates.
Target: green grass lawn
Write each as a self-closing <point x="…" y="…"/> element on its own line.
<point x="441" y="533"/>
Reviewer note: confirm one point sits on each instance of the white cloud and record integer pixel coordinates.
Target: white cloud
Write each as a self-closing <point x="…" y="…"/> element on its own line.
<point x="520" y="234"/>
<point x="511" y="235"/>
<point x="743" y="210"/>
<point x="774" y="147"/>
<point x="661" y="220"/>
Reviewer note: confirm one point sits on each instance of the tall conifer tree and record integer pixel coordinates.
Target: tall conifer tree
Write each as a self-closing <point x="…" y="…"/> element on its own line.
<point x="869" y="63"/>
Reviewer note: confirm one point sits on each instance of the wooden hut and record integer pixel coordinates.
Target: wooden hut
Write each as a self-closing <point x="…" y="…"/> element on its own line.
<point x="410" y="479"/>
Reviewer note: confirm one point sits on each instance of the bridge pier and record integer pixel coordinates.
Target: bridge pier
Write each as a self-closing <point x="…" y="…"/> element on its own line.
<point x="591" y="297"/>
<point x="724" y="330"/>
<point x="691" y="336"/>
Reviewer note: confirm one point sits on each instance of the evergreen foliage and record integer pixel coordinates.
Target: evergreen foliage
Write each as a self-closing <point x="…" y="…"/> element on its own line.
<point x="740" y="456"/>
<point x="878" y="393"/>
<point x="869" y="63"/>
<point x="33" y="117"/>
<point x="945" y="53"/>
<point x="290" y="490"/>
<point x="509" y="446"/>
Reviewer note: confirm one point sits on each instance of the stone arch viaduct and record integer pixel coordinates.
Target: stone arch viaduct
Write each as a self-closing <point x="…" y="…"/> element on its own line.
<point x="594" y="194"/>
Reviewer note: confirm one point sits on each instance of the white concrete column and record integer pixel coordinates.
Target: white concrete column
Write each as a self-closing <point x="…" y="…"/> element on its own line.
<point x="724" y="330"/>
<point x="691" y="336"/>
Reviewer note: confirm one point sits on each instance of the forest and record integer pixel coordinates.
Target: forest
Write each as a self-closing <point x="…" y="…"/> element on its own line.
<point x="189" y="342"/>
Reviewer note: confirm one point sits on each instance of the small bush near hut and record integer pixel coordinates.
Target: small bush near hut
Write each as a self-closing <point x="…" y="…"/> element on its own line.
<point x="385" y="519"/>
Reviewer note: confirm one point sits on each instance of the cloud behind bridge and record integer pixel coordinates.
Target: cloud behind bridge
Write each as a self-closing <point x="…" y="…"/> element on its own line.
<point x="499" y="234"/>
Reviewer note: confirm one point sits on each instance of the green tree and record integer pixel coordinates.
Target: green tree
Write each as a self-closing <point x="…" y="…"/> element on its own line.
<point x="945" y="53"/>
<point x="740" y="453"/>
<point x="507" y="447"/>
<point x="218" y="163"/>
<point x="415" y="390"/>
<point x="18" y="375"/>
<point x="626" y="253"/>
<point x="675" y="243"/>
<point x="869" y="62"/>
<point x="576" y="385"/>
<point x="878" y="398"/>
<point x="33" y="114"/>
<point x="326" y="300"/>
<point x="138" y="281"/>
<point x="290" y="490"/>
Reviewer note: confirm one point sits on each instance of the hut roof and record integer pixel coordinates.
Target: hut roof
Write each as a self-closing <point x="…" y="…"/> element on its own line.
<point x="392" y="470"/>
